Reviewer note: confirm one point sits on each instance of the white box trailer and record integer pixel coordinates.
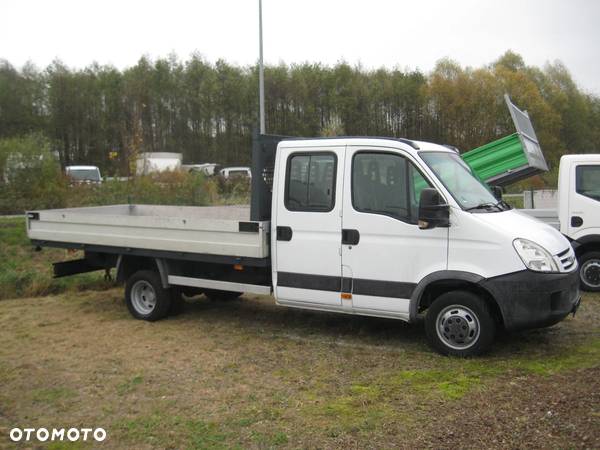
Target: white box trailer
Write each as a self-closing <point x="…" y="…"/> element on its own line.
<point x="155" y="162"/>
<point x="371" y="226"/>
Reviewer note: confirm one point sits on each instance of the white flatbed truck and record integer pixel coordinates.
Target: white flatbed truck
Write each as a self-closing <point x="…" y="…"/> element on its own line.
<point x="372" y="226"/>
<point x="578" y="214"/>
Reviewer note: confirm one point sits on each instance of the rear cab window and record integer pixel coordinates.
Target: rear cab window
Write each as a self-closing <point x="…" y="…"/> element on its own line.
<point x="310" y="181"/>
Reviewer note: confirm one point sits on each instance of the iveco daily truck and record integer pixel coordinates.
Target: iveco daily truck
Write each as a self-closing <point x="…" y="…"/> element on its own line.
<point x="578" y="213"/>
<point x="372" y="226"/>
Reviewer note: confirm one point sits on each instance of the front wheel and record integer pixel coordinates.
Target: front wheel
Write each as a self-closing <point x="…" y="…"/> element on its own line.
<point x="459" y="323"/>
<point x="589" y="271"/>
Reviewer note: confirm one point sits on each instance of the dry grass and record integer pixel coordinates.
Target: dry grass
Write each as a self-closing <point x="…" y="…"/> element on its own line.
<point x="250" y="374"/>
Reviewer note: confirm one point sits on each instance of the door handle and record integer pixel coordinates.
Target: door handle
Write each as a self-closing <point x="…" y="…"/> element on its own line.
<point x="350" y="237"/>
<point x="576" y="221"/>
<point x="284" y="233"/>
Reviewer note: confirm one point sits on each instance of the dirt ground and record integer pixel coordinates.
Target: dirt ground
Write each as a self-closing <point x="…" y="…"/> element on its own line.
<point x="250" y="374"/>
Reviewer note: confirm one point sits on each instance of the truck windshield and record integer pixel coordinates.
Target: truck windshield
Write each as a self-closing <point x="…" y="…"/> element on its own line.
<point x="467" y="190"/>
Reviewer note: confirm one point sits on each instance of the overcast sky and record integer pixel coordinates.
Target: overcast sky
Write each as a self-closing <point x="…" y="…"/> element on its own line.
<point x="394" y="33"/>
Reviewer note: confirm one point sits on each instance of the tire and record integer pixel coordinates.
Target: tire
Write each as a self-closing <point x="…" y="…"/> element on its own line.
<point x="217" y="295"/>
<point x="456" y="312"/>
<point x="589" y="271"/>
<point x="145" y="296"/>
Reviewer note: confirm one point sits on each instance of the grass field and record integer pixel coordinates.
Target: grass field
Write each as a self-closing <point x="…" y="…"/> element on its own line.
<point x="25" y="272"/>
<point x="250" y="374"/>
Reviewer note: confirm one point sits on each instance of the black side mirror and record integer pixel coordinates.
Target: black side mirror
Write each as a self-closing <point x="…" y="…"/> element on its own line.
<point x="497" y="191"/>
<point x="432" y="212"/>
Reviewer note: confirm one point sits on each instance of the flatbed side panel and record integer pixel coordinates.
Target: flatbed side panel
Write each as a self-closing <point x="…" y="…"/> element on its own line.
<point x="148" y="216"/>
<point x="182" y="229"/>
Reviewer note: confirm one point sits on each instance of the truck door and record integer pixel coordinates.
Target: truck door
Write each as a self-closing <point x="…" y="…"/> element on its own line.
<point x="382" y="246"/>
<point x="584" y="199"/>
<point x="308" y="197"/>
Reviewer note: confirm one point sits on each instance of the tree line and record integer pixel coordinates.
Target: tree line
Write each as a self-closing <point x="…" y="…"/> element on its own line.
<point x="208" y="111"/>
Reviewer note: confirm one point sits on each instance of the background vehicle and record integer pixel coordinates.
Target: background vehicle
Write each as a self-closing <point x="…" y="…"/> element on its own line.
<point x="236" y="172"/>
<point x="578" y="213"/>
<point x="84" y="174"/>
<point x="371" y="226"/>
<point x="154" y="162"/>
<point x="208" y="169"/>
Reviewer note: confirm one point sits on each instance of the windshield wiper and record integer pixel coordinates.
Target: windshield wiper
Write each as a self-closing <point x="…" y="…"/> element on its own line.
<point x="504" y="205"/>
<point x="485" y="206"/>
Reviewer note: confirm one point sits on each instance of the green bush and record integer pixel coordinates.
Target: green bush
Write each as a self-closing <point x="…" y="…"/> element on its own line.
<point x="30" y="175"/>
<point x="32" y="179"/>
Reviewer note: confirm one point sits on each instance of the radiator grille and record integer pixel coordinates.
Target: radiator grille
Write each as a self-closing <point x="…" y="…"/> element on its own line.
<point x="566" y="260"/>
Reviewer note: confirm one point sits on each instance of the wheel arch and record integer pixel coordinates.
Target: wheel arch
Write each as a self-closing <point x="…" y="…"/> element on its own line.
<point x="127" y="265"/>
<point x="590" y="243"/>
<point x="435" y="284"/>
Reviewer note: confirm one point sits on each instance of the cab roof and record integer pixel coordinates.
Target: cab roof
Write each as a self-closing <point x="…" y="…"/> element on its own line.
<point x="587" y="157"/>
<point x="409" y="145"/>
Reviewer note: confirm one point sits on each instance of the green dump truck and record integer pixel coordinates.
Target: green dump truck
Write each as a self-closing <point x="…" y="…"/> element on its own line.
<point x="511" y="158"/>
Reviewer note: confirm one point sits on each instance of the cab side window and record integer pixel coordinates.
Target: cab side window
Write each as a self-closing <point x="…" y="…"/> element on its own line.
<point x="387" y="184"/>
<point x="588" y="181"/>
<point x="310" y="182"/>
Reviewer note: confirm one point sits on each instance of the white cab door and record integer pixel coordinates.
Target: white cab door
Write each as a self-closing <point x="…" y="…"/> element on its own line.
<point x="584" y="200"/>
<point x="307" y="269"/>
<point x="383" y="248"/>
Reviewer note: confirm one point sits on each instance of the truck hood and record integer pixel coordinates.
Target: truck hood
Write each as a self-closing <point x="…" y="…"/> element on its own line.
<point x="515" y="224"/>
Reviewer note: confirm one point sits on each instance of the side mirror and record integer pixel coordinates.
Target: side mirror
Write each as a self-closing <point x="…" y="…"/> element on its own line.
<point x="432" y="212"/>
<point x="497" y="191"/>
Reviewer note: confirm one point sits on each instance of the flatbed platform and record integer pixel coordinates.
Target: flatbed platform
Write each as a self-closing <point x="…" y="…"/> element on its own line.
<point x="209" y="230"/>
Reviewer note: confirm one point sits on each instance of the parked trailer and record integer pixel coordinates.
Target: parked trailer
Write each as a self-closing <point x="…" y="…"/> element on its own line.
<point x="371" y="226"/>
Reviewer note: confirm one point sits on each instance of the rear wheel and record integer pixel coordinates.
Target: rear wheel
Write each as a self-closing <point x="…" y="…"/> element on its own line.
<point x="145" y="296"/>
<point x="459" y="323"/>
<point x="589" y="271"/>
<point x="217" y="295"/>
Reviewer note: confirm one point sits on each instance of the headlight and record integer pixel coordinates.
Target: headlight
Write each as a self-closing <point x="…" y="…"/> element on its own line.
<point x="534" y="256"/>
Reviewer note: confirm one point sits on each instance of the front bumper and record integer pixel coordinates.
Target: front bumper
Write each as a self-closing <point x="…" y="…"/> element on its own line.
<point x="530" y="299"/>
